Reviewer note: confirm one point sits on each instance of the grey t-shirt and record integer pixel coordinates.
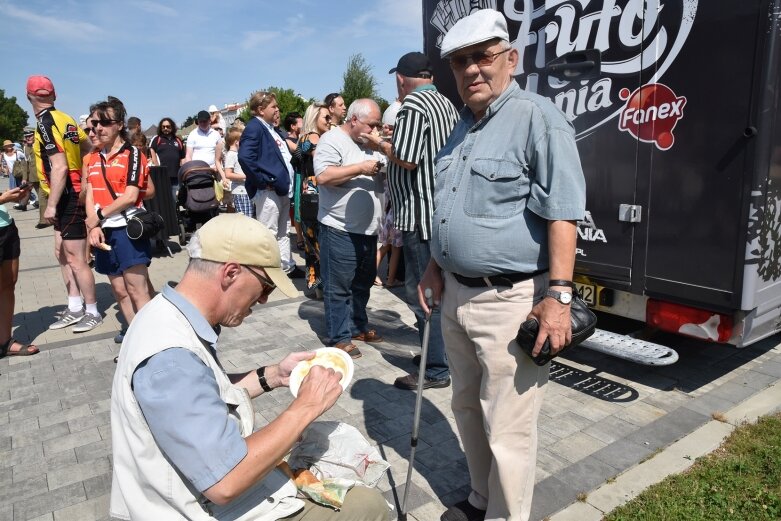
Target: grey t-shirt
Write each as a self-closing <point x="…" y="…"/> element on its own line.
<point x="353" y="206"/>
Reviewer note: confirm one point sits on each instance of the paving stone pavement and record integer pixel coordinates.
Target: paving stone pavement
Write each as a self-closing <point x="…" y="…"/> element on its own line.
<point x="600" y="417"/>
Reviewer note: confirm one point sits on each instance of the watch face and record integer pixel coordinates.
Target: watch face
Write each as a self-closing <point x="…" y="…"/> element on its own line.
<point x="565" y="298"/>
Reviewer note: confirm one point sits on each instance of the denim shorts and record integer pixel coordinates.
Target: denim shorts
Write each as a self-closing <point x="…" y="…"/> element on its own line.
<point x="125" y="252"/>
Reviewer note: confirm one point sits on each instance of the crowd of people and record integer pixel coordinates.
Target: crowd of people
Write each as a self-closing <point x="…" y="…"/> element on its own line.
<point x="481" y="208"/>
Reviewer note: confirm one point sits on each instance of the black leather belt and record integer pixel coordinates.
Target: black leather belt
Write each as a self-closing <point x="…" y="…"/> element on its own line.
<point x="507" y="279"/>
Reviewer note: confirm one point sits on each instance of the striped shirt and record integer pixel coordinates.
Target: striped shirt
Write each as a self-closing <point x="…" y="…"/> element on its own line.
<point x="423" y="124"/>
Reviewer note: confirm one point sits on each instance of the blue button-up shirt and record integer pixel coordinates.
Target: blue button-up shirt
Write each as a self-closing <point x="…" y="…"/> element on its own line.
<point x="499" y="180"/>
<point x="180" y="399"/>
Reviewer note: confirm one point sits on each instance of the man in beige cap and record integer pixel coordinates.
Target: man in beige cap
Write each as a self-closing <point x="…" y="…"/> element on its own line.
<point x="183" y="439"/>
<point x="509" y="192"/>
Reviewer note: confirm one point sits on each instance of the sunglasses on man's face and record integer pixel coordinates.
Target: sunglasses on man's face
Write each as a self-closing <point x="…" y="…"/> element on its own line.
<point x="479" y="58"/>
<point x="165" y="126"/>
<point x="267" y="285"/>
<point x="103" y="122"/>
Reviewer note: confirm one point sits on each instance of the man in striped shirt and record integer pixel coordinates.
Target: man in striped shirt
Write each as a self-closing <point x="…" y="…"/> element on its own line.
<point x="423" y="124"/>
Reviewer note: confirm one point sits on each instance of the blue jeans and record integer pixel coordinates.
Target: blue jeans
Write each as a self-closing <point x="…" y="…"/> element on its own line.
<point x="347" y="266"/>
<point x="417" y="254"/>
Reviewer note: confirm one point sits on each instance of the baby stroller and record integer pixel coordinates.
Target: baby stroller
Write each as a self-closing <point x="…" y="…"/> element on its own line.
<point x="197" y="198"/>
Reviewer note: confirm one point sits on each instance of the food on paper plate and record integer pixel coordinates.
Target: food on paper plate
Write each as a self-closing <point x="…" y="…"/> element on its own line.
<point x="103" y="246"/>
<point x="328" y="357"/>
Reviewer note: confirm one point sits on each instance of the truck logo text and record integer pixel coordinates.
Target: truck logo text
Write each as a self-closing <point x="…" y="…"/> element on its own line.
<point x="651" y="113"/>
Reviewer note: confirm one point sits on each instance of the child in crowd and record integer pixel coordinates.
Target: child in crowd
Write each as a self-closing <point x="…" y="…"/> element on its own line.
<point x="233" y="172"/>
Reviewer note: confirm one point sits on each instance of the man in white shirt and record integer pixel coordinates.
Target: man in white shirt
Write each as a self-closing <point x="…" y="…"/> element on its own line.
<point x="349" y="216"/>
<point x="202" y="141"/>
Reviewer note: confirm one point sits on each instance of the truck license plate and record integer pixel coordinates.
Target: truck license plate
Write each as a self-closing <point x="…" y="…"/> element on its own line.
<point x="588" y="293"/>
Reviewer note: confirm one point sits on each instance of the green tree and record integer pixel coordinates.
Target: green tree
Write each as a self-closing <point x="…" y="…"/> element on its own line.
<point x="189" y="121"/>
<point x="288" y="100"/>
<point x="13" y="118"/>
<point x="359" y="82"/>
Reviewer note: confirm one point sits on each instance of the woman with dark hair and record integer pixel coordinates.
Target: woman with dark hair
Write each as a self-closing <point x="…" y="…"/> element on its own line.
<point x="117" y="177"/>
<point x="168" y="150"/>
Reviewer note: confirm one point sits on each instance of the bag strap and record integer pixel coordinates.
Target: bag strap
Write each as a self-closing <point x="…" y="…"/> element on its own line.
<point x="108" y="183"/>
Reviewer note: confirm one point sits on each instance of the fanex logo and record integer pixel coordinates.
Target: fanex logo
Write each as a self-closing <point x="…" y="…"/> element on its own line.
<point x="651" y="113"/>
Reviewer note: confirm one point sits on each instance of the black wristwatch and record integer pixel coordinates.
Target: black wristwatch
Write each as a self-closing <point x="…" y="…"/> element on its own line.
<point x="100" y="215"/>
<point x="262" y="379"/>
<point x="562" y="296"/>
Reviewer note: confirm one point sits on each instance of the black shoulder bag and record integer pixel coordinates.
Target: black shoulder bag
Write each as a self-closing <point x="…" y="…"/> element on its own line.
<point x="141" y="225"/>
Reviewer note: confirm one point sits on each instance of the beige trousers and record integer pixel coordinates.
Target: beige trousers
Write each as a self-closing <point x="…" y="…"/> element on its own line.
<point x="360" y="504"/>
<point x="497" y="392"/>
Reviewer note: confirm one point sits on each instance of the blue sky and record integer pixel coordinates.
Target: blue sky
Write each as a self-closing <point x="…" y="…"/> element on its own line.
<point x="177" y="57"/>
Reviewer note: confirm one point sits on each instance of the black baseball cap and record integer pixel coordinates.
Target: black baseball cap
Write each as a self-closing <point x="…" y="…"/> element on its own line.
<point x="413" y="65"/>
<point x="203" y="116"/>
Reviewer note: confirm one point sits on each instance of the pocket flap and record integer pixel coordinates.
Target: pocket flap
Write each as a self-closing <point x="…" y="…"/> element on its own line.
<point x="497" y="169"/>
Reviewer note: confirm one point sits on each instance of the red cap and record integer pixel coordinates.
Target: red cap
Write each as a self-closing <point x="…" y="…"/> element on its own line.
<point x="40" y="86"/>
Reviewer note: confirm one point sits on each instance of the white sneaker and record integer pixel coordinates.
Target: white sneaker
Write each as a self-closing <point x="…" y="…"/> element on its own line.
<point x="87" y="323"/>
<point x="67" y="319"/>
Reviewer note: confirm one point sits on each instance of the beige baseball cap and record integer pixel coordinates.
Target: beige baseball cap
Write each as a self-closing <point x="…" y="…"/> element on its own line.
<point x="234" y="237"/>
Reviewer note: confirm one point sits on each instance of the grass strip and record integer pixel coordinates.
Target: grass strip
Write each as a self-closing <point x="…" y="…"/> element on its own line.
<point x="739" y="481"/>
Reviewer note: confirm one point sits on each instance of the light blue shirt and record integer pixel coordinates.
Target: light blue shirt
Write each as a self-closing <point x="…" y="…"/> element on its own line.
<point x="180" y="399"/>
<point x="499" y="180"/>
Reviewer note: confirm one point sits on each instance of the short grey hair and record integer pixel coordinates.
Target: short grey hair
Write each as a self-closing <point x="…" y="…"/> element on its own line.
<point x="198" y="265"/>
<point x="361" y="108"/>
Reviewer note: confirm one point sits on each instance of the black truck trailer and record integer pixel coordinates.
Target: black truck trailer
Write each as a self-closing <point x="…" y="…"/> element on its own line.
<point x="676" y="108"/>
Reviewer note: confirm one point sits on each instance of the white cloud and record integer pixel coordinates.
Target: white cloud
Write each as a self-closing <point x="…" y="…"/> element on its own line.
<point x="54" y="28"/>
<point x="403" y="18"/>
<point x="157" y="8"/>
<point x="254" y="39"/>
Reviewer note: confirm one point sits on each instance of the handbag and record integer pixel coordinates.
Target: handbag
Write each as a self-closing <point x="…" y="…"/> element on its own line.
<point x="143" y="224"/>
<point x="310" y="204"/>
<point x="584" y="322"/>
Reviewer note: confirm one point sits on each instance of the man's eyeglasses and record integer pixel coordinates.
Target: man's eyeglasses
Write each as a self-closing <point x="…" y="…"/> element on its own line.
<point x="165" y="126"/>
<point x="103" y="122"/>
<point x="376" y="124"/>
<point x="479" y="58"/>
<point x="268" y="285"/>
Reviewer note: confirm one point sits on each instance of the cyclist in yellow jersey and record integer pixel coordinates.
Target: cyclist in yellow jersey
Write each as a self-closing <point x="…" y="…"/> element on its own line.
<point x="59" y="147"/>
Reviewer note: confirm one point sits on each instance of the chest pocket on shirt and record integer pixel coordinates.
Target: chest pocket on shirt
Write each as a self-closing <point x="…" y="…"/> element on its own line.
<point x="496" y="188"/>
<point x="440" y="171"/>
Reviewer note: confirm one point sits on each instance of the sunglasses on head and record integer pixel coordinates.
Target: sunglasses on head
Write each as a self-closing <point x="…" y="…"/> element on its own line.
<point x="479" y="58"/>
<point x="103" y="122"/>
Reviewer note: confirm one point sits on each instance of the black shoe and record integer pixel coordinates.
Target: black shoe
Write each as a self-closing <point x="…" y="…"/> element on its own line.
<point x="410" y="382"/>
<point x="41" y="226"/>
<point x="416" y="360"/>
<point x="20" y="207"/>
<point x="463" y="511"/>
<point x="296" y="273"/>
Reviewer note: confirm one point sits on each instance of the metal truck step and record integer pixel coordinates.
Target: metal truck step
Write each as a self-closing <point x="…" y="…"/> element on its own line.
<point x="632" y="349"/>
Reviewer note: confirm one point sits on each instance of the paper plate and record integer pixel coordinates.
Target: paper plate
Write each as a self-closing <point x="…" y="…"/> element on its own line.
<point x="329" y="357"/>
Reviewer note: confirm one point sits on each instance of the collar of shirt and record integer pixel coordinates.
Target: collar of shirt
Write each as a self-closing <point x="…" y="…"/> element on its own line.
<point x="201" y="132"/>
<point x="202" y="328"/>
<point x="469" y="117"/>
<point x="421" y="88"/>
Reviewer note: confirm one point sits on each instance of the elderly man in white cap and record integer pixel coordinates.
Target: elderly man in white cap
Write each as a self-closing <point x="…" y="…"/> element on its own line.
<point x="182" y="428"/>
<point x="509" y="192"/>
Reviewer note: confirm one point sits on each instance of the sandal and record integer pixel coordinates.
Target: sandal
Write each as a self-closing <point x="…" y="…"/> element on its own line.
<point x="368" y="336"/>
<point x="378" y="282"/>
<point x="24" y="350"/>
<point x="349" y="348"/>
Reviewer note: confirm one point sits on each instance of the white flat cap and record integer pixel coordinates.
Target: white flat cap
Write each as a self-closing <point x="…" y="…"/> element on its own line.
<point x="478" y="27"/>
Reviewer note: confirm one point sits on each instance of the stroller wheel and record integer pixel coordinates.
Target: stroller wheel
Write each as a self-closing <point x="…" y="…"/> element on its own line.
<point x="182" y="234"/>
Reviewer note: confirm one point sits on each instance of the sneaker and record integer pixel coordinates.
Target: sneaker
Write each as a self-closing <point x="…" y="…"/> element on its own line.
<point x="41" y="226"/>
<point x="410" y="382"/>
<point x="120" y="337"/>
<point x="67" y="319"/>
<point x="463" y="511"/>
<point x="87" y="323"/>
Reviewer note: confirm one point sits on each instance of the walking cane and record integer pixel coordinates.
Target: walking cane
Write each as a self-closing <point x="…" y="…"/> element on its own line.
<point x="419" y="398"/>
